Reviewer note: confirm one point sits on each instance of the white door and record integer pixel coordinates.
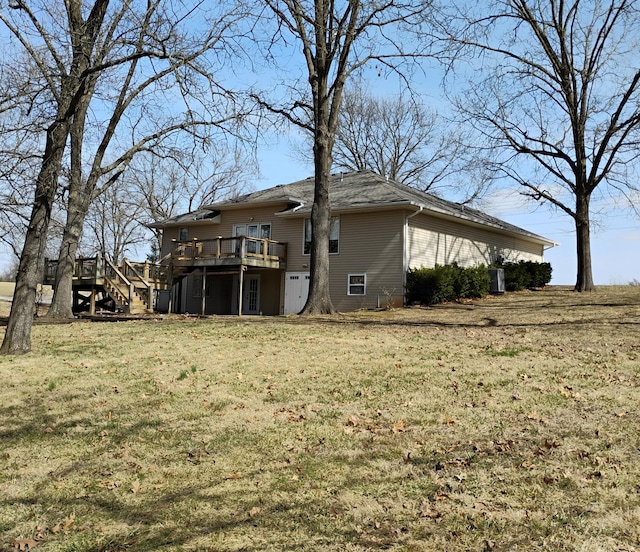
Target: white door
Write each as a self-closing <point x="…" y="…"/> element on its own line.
<point x="296" y="290"/>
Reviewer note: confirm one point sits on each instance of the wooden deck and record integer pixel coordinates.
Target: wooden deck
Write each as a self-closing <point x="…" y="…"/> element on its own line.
<point x="132" y="287"/>
<point x="229" y="252"/>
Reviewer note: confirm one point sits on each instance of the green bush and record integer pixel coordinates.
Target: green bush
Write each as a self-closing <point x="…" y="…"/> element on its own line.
<point x="443" y="283"/>
<point x="525" y="275"/>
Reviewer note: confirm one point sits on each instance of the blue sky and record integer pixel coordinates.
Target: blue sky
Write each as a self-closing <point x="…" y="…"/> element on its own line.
<point x="615" y="232"/>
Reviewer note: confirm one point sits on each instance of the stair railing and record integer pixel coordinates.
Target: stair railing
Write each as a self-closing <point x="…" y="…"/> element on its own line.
<point x="146" y="287"/>
<point x="119" y="279"/>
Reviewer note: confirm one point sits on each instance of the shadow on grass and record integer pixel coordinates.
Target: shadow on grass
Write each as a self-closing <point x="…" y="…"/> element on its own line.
<point x="196" y="510"/>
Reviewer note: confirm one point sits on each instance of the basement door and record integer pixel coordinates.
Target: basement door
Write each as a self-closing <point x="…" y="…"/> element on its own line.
<point x="250" y="294"/>
<point x="296" y="290"/>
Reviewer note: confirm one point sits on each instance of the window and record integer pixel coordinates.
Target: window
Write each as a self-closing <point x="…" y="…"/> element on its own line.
<point x="334" y="236"/>
<point x="255" y="231"/>
<point x="357" y="284"/>
<point x="183" y="234"/>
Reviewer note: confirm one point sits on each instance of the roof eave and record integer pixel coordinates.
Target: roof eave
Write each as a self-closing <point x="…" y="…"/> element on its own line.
<point x="183" y="223"/>
<point x="524" y="235"/>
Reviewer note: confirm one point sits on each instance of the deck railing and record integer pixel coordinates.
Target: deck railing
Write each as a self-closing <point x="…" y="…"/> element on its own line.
<point x="85" y="268"/>
<point x="229" y="248"/>
<point x="91" y="268"/>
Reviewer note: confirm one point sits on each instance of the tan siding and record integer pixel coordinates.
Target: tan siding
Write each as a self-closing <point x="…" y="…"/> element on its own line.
<point x="370" y="243"/>
<point x="168" y="234"/>
<point x="433" y="240"/>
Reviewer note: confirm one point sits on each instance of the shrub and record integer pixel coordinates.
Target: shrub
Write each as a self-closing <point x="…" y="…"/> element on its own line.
<point x="443" y="283"/>
<point x="525" y="275"/>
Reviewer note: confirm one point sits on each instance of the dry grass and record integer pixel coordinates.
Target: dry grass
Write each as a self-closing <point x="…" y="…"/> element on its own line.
<point x="510" y="423"/>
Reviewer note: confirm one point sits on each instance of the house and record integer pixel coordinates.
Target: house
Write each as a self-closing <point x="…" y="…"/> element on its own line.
<point x="250" y="254"/>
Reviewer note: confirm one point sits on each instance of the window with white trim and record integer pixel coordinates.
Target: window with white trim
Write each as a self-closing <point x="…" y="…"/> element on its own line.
<point x="357" y="284"/>
<point x="254" y="231"/>
<point x="334" y="236"/>
<point x="183" y="234"/>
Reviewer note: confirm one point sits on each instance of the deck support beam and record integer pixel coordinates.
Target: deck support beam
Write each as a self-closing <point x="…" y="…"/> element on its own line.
<point x="204" y="287"/>
<point x="240" y="286"/>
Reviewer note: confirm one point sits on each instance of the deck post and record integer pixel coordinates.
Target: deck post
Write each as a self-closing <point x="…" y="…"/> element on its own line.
<point x="170" y="287"/>
<point x="204" y="286"/>
<point x="240" y="286"/>
<point x="92" y="302"/>
<point x="132" y="291"/>
<point x="170" y="276"/>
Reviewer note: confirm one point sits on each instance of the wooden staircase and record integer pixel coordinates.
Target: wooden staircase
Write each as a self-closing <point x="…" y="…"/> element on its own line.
<point x="128" y="289"/>
<point x="100" y="284"/>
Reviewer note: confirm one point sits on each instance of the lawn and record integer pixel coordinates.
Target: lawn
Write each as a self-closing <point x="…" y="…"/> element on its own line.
<point x="508" y="423"/>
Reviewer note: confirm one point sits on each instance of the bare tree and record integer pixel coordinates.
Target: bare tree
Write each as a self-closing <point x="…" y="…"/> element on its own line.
<point x="23" y="116"/>
<point x="556" y="95"/>
<point x="180" y="66"/>
<point x="73" y="46"/>
<point x="65" y="83"/>
<point x="163" y="187"/>
<point x="112" y="223"/>
<point x="336" y="40"/>
<point x="401" y="138"/>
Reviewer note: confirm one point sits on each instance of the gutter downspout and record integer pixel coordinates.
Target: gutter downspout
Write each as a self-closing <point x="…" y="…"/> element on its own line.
<point x="405" y="247"/>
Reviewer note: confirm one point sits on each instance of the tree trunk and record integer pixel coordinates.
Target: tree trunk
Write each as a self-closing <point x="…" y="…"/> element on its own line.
<point x="77" y="207"/>
<point x="17" y="338"/>
<point x="319" y="298"/>
<point x="584" y="280"/>
<point x="62" y="302"/>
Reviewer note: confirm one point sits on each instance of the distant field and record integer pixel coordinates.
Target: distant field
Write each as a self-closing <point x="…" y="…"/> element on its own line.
<point x="6" y="292"/>
<point x="510" y="423"/>
<point x="6" y="289"/>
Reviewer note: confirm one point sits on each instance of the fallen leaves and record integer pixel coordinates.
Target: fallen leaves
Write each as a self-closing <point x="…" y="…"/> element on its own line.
<point x="109" y="484"/>
<point x="64" y="526"/>
<point x="399" y="427"/>
<point x="136" y="485"/>
<point x="43" y="533"/>
<point x="24" y="544"/>
<point x="568" y="392"/>
<point x="355" y="425"/>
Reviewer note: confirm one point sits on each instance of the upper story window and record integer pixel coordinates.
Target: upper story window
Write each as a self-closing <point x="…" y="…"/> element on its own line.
<point x="334" y="236"/>
<point x="183" y="234"/>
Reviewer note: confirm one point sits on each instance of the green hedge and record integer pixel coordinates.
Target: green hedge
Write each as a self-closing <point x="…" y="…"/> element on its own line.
<point x="525" y="275"/>
<point x="440" y="284"/>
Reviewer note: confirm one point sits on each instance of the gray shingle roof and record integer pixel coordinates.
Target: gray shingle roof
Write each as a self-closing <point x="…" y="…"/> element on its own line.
<point x="201" y="215"/>
<point x="368" y="190"/>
